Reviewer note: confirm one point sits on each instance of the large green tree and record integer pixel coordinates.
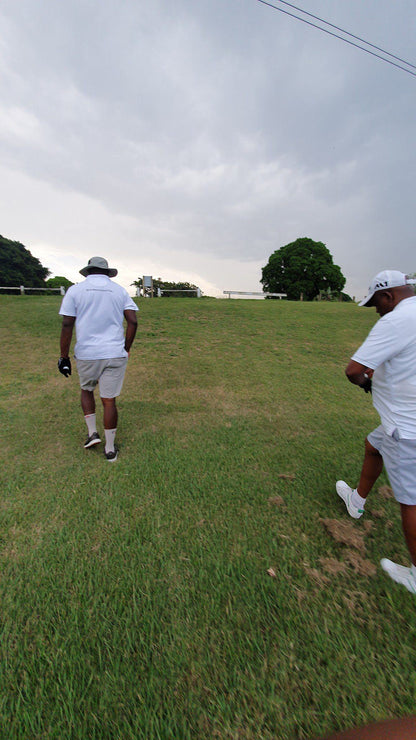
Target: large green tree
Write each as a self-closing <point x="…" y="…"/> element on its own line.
<point x="303" y="268"/>
<point x="57" y="281"/>
<point x="19" y="267"/>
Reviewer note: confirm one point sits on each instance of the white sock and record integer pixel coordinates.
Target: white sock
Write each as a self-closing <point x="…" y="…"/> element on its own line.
<point x="91" y="424"/>
<point x="413" y="571"/>
<point x="358" y="500"/>
<point x="110" y="435"/>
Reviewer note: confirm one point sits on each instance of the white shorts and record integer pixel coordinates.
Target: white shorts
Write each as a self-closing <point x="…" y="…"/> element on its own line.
<point x="109" y="374"/>
<point x="399" y="457"/>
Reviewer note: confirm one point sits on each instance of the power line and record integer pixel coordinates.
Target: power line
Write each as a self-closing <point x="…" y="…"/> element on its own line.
<point x="373" y="46"/>
<point x="347" y="41"/>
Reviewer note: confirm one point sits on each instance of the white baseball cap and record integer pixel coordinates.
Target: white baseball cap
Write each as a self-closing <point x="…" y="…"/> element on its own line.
<point x="385" y="280"/>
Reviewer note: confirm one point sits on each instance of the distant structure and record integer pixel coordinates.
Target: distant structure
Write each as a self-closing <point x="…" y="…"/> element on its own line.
<point x="160" y="291"/>
<point x="263" y="295"/>
<point x="148" y="285"/>
<point x="146" y="288"/>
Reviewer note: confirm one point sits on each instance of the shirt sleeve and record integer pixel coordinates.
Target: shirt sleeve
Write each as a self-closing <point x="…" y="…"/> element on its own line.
<point x="383" y="342"/>
<point x="68" y="307"/>
<point x="129" y="304"/>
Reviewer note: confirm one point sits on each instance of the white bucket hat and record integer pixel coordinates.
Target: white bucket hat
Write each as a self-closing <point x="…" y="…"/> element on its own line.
<point x="101" y="263"/>
<point x="385" y="280"/>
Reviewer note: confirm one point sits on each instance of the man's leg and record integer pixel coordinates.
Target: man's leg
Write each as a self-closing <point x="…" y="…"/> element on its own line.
<point x="110" y="413"/>
<point x="370" y="471"/>
<point x="111" y="383"/>
<point x="87" y="372"/>
<point x="399" y="573"/>
<point x="400" y="460"/>
<point x="372" y="466"/>
<point x="87" y="402"/>
<point x="409" y="529"/>
<point x="110" y="427"/>
<point x="88" y="407"/>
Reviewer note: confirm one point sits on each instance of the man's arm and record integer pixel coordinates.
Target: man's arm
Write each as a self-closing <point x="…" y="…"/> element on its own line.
<point x="66" y="334"/>
<point x="359" y="374"/>
<point x="131" y="319"/>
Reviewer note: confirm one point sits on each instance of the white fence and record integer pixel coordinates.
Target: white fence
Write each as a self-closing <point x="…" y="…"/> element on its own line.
<point x="244" y="292"/>
<point x="22" y="289"/>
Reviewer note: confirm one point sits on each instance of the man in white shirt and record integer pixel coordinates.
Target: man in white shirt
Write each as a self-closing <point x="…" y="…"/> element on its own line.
<point x="97" y="307"/>
<point x="386" y="364"/>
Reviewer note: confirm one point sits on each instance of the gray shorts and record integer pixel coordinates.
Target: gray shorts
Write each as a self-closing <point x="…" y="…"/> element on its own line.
<point x="399" y="457"/>
<point x="109" y="374"/>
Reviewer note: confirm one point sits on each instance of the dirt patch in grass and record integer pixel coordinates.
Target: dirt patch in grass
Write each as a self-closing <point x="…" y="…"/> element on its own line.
<point x="332" y="566"/>
<point x="360" y="565"/>
<point x="345" y="533"/>
<point x="276" y="500"/>
<point x="386" y="492"/>
<point x="377" y="513"/>
<point x="316" y="575"/>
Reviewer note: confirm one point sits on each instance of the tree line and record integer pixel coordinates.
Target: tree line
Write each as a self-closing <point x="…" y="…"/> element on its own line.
<point x="18" y="267"/>
<point x="303" y="269"/>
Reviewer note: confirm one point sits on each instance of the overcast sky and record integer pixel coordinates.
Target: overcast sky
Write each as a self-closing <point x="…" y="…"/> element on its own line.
<point x="189" y="139"/>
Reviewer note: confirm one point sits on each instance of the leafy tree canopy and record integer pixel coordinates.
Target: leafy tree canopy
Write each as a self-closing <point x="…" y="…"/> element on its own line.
<point x="19" y="267"/>
<point x="302" y="268"/>
<point x="57" y="281"/>
<point x="166" y="286"/>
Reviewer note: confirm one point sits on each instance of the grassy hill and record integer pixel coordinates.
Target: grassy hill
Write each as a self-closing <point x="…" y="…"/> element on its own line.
<point x="209" y="584"/>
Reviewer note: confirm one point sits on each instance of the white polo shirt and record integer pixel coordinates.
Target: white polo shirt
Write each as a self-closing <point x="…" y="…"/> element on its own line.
<point x="390" y="350"/>
<point x="98" y="305"/>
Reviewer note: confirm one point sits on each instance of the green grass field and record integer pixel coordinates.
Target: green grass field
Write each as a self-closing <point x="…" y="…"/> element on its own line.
<point x="136" y="598"/>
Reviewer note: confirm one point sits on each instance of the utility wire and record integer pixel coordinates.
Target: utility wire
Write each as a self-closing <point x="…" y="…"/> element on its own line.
<point x="327" y="23"/>
<point x="351" y="43"/>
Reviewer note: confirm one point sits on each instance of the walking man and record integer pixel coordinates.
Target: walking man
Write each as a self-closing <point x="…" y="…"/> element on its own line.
<point x="386" y="364"/>
<point x="97" y="306"/>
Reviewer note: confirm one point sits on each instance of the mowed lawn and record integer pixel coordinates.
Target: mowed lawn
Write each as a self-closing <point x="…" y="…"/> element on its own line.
<point x="209" y="584"/>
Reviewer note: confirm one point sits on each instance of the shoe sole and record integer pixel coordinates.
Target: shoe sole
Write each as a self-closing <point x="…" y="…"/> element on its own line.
<point x="92" y="444"/>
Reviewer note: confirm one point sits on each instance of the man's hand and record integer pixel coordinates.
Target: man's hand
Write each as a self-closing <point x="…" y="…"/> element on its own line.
<point x="359" y="375"/>
<point x="131" y="319"/>
<point x="64" y="366"/>
<point x="366" y="386"/>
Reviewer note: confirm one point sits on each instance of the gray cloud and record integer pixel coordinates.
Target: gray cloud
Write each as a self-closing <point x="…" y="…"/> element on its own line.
<point x="193" y="139"/>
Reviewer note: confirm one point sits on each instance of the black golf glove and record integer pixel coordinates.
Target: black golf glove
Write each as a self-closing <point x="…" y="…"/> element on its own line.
<point x="366" y="386"/>
<point x="64" y="366"/>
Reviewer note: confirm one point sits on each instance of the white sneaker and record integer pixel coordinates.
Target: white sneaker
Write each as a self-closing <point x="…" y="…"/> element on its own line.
<point x="345" y="492"/>
<point x="400" y="574"/>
